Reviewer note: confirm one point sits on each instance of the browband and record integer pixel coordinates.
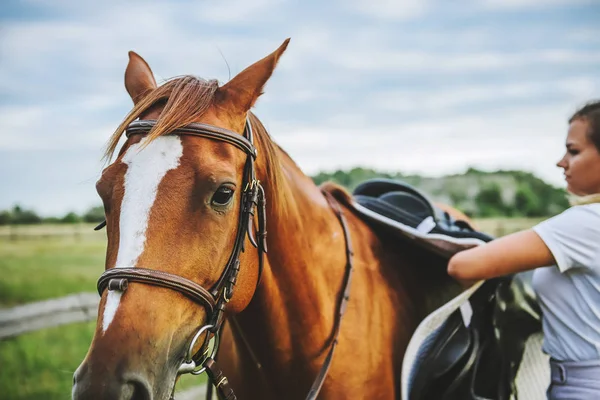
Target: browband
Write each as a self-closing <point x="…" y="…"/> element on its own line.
<point x="202" y="130"/>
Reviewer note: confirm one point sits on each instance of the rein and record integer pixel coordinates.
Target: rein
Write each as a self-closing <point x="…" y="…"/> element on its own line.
<point x="343" y="300"/>
<point x="215" y="299"/>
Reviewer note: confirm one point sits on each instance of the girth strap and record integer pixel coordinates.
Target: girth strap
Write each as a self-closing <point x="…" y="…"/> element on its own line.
<point x="156" y="278"/>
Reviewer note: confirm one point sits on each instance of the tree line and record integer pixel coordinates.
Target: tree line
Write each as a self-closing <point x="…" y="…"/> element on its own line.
<point x="477" y="193"/>
<point x="21" y="216"/>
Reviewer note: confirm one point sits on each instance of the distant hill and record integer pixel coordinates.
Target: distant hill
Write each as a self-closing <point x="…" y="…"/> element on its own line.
<point x="477" y="193"/>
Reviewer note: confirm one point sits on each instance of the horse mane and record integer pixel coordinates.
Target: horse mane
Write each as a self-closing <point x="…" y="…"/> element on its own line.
<point x="186" y="99"/>
<point x="338" y="192"/>
<point x="273" y="166"/>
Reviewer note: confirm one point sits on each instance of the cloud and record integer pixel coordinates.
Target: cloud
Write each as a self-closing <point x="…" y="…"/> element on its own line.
<point x="52" y="182"/>
<point x="573" y="89"/>
<point x="52" y="127"/>
<point x="439" y="146"/>
<point x="524" y="4"/>
<point x="588" y="36"/>
<point x="388" y="9"/>
<point x="386" y="60"/>
<point x="235" y="11"/>
<point x="412" y="85"/>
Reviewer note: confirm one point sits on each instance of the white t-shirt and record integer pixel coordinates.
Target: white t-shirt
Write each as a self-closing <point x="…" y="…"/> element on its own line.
<point x="569" y="292"/>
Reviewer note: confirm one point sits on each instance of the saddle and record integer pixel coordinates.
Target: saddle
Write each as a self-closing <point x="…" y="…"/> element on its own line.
<point x="471" y="347"/>
<point x="406" y="212"/>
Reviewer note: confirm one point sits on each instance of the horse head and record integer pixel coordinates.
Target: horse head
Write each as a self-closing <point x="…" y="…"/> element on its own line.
<point x="175" y="199"/>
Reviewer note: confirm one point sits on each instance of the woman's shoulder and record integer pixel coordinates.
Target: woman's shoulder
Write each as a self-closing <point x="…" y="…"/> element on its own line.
<point x="573" y="221"/>
<point x="594" y="207"/>
<point x="573" y="236"/>
<point x="584" y="211"/>
<point x="580" y="209"/>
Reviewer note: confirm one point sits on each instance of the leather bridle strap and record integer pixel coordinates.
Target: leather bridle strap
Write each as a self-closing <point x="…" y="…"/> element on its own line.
<point x="343" y="300"/>
<point x="117" y="277"/>
<point x="215" y="374"/>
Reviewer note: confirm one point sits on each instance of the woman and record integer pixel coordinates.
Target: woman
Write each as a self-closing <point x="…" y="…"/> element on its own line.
<point x="565" y="251"/>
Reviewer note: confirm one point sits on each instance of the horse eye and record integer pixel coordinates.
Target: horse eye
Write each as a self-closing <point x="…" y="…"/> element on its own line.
<point x="222" y="196"/>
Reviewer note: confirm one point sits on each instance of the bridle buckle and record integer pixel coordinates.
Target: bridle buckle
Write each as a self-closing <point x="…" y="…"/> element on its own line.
<point x="251" y="185"/>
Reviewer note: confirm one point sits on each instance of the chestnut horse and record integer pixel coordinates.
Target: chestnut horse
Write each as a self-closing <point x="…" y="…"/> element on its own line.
<point x="173" y="205"/>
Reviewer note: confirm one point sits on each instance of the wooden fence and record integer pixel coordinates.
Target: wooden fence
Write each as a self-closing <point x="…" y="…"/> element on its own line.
<point x="80" y="307"/>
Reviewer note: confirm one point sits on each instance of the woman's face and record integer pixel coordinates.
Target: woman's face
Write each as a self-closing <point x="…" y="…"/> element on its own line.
<point x="581" y="161"/>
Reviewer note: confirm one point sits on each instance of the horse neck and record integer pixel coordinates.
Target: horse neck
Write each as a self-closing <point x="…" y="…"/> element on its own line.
<point x="298" y="294"/>
<point x="300" y="227"/>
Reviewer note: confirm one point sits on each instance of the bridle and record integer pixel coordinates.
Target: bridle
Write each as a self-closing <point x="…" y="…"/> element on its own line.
<point x="215" y="299"/>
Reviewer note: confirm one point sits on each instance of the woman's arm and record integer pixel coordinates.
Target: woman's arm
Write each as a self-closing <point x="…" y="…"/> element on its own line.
<point x="513" y="253"/>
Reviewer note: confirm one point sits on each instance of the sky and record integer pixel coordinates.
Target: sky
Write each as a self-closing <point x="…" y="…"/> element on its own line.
<point x="418" y="86"/>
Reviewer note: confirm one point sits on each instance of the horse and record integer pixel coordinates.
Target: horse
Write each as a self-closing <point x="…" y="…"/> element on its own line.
<point x="196" y="169"/>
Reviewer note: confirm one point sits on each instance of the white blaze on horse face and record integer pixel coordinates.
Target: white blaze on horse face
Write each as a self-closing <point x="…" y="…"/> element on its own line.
<point x="146" y="167"/>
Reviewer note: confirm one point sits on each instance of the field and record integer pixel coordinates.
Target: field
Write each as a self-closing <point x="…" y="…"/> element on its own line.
<point x="38" y="263"/>
<point x="503" y="226"/>
<point x="42" y="262"/>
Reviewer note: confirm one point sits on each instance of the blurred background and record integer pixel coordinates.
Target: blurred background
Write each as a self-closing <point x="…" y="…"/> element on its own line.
<point x="467" y="100"/>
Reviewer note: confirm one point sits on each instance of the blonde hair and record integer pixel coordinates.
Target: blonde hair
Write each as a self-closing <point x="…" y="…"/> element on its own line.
<point x="582" y="200"/>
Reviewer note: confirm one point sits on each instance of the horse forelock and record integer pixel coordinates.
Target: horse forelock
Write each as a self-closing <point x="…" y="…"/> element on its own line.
<point x="185" y="98"/>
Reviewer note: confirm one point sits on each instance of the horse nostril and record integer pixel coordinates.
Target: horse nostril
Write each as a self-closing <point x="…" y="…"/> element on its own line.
<point x="79" y="374"/>
<point x="136" y="389"/>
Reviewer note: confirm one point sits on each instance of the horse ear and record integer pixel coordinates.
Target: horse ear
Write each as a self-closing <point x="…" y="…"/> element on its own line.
<point x="139" y="79"/>
<point x="243" y="90"/>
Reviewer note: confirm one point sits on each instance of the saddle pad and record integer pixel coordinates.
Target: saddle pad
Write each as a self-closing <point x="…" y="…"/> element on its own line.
<point x="533" y="376"/>
<point x="424" y="336"/>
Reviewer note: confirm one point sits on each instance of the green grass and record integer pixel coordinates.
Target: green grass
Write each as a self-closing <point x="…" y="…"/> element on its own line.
<point x="38" y="269"/>
<point x="20" y="232"/>
<point x="40" y="365"/>
<point x="38" y="263"/>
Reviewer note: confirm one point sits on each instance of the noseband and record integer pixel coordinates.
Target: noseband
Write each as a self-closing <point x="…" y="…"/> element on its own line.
<point x="214" y="299"/>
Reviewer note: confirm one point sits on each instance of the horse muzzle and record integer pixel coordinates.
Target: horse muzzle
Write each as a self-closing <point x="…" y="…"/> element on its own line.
<point x="126" y="386"/>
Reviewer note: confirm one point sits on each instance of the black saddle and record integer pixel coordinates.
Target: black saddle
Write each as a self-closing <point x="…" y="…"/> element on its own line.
<point x="479" y="361"/>
<point x="404" y="204"/>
